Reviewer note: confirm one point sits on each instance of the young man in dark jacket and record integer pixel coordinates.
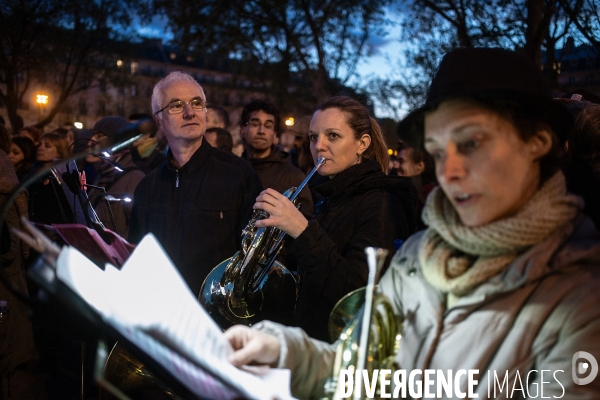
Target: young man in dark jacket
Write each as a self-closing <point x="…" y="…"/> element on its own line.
<point x="200" y="199"/>
<point x="260" y="130"/>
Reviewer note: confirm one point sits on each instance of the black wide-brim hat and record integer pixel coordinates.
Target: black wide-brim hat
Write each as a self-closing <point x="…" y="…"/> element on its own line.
<point x="492" y="75"/>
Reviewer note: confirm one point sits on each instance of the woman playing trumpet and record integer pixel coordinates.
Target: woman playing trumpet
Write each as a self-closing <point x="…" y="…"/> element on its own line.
<point x="361" y="207"/>
<point x="505" y="278"/>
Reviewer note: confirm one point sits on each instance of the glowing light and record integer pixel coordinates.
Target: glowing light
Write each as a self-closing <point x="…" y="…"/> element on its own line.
<point x="78" y="125"/>
<point x="390" y="152"/>
<point x="289" y="121"/>
<point x="119" y="63"/>
<point x="42" y="99"/>
<point x="347" y="355"/>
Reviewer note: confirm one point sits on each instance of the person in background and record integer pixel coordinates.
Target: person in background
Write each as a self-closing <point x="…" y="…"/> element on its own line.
<point x="361" y="206"/>
<point x="505" y="278"/>
<point x="219" y="138"/>
<point x="63" y="132"/>
<point x="582" y="156"/>
<point x="22" y="155"/>
<point x="216" y="117"/>
<point x="418" y="165"/>
<point x="260" y="126"/>
<point x="16" y="334"/>
<point x="293" y="137"/>
<point x="32" y="132"/>
<point x="47" y="200"/>
<point x="147" y="152"/>
<point x="198" y="202"/>
<point x="305" y="159"/>
<point x="117" y="175"/>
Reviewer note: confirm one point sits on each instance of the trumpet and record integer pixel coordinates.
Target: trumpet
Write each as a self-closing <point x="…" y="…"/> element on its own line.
<point x="370" y="338"/>
<point x="252" y="285"/>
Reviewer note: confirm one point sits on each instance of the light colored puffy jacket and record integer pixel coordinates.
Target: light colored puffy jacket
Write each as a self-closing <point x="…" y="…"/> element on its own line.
<point x="536" y="315"/>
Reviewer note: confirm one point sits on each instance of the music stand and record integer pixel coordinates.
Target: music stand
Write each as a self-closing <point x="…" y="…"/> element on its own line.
<point x="70" y="303"/>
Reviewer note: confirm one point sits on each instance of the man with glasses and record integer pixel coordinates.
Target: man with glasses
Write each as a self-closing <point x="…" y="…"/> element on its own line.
<point x="199" y="200"/>
<point x="260" y="125"/>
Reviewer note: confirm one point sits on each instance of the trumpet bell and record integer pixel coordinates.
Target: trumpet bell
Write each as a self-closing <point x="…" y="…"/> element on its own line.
<point x="379" y="343"/>
<point x="344" y="310"/>
<point x="274" y="297"/>
<point x="132" y="377"/>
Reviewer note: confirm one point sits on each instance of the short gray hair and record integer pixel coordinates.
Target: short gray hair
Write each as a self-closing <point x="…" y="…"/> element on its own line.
<point x="157" y="100"/>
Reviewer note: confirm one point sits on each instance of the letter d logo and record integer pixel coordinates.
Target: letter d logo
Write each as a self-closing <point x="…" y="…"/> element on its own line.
<point x="583" y="367"/>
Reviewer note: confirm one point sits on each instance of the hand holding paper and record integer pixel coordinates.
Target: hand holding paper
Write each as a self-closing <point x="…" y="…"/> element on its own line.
<point x="149" y="295"/>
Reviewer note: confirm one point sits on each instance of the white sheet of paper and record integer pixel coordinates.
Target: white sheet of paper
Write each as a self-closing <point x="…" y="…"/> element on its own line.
<point x="149" y="294"/>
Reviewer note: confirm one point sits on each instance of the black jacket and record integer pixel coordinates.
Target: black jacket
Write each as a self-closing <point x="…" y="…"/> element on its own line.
<point x="276" y="171"/>
<point x="197" y="212"/>
<point x="361" y="207"/>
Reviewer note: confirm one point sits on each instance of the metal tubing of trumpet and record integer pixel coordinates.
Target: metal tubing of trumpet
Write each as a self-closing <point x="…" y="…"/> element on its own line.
<point x="320" y="161"/>
<point x="375" y="261"/>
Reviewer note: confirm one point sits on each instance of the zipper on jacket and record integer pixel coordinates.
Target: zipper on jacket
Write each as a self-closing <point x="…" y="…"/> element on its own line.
<point x="176" y="178"/>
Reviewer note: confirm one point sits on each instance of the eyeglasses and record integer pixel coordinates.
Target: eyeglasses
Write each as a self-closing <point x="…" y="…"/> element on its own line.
<point x="177" y="106"/>
<point x="269" y="126"/>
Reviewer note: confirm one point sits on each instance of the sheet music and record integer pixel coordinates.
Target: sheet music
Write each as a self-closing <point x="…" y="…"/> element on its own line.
<point x="148" y="301"/>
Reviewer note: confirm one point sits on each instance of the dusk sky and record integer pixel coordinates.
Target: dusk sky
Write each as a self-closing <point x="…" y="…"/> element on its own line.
<point x="378" y="65"/>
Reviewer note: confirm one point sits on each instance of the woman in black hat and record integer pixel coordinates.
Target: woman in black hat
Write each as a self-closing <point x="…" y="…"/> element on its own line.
<point x="503" y="284"/>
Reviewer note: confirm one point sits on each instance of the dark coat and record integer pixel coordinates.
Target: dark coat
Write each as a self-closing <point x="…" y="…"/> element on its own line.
<point x="276" y="171"/>
<point x="361" y="207"/>
<point x="197" y="212"/>
<point x="16" y="335"/>
<point x="48" y="203"/>
<point x="119" y="184"/>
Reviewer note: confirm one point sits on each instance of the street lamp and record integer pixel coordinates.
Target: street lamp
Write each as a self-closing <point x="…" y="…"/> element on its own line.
<point x="42" y="100"/>
<point x="289" y="121"/>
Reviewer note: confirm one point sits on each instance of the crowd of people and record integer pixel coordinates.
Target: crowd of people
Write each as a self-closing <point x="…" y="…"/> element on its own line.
<point x="491" y="208"/>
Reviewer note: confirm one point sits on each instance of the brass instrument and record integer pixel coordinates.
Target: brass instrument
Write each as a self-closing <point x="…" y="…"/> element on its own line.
<point x="127" y="375"/>
<point x="252" y="285"/>
<point x="371" y="337"/>
<point x="244" y="289"/>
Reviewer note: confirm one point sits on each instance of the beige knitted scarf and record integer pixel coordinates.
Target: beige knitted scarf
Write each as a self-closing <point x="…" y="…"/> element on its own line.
<point x="456" y="258"/>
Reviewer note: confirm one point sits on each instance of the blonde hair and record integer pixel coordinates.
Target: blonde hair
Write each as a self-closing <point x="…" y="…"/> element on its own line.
<point x="57" y="141"/>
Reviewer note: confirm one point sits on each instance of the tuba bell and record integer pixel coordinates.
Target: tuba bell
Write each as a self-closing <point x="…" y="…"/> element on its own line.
<point x="371" y="336"/>
<point x="252" y="285"/>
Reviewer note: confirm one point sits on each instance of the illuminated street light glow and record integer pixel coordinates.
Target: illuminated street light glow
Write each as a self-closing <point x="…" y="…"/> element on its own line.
<point x="289" y="121"/>
<point x="78" y="125"/>
<point x="42" y="99"/>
